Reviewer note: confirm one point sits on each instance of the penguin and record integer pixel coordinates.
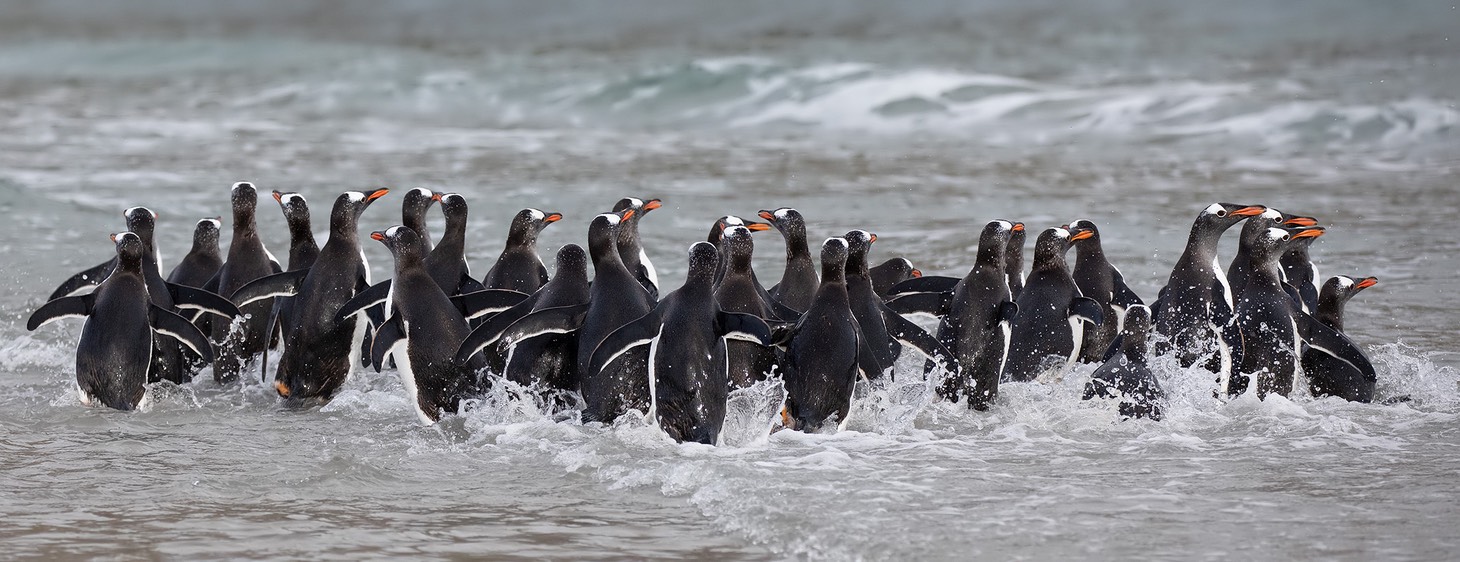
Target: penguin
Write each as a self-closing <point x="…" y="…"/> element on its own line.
<point x="413" y="213"/>
<point x="114" y="354"/>
<point x="423" y="332"/>
<point x="975" y="318"/>
<point x="140" y="221"/>
<point x="885" y="329"/>
<point x="1187" y="311"/>
<point x="1254" y="228"/>
<point x="798" y="281"/>
<point x="717" y="236"/>
<point x="686" y="335"/>
<point x="447" y="261"/>
<point x="1266" y="319"/>
<point x="303" y="249"/>
<point x="1103" y="283"/>
<point x="1014" y="260"/>
<point x="248" y="260"/>
<point x="631" y="249"/>
<point x="892" y="272"/>
<point x="519" y="268"/>
<point x="548" y="361"/>
<point x="1300" y="272"/>
<point x="1047" y="333"/>
<point x="320" y="350"/>
<point x="824" y="353"/>
<point x="1328" y="373"/>
<point x="1124" y="375"/>
<point x="739" y="292"/>
<point x="202" y="261"/>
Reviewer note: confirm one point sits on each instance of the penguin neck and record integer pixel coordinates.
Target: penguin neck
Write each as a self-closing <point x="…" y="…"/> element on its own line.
<point x="833" y="273"/>
<point x="605" y="255"/>
<point x="1199" y="249"/>
<point x="405" y="261"/>
<point x="796" y="247"/>
<point x="857" y="264"/>
<point x="244" y="226"/>
<point x="628" y="241"/>
<point x="1090" y="251"/>
<point x="300" y="229"/>
<point x="455" y="233"/>
<point x="1263" y="272"/>
<point x="1295" y="262"/>
<point x="344" y="229"/>
<point x="524" y="237"/>
<point x="204" y="247"/>
<point x="1133" y="345"/>
<point x="1330" y="310"/>
<point x="1051" y="261"/>
<point x="417" y="222"/>
<point x="739" y="263"/>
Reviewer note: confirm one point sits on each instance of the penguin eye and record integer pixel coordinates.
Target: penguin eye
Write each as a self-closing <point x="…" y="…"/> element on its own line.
<point x="1221" y="213"/>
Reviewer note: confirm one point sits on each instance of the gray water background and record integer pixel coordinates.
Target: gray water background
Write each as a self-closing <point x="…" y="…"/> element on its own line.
<point x="917" y="121"/>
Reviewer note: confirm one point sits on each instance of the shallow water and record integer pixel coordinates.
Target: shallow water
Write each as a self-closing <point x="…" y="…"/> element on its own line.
<point x="919" y="123"/>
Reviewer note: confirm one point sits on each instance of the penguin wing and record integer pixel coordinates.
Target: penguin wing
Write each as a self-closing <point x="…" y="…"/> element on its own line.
<point x="1087" y="309"/>
<point x="1221" y="311"/>
<point x="555" y="320"/>
<point x="925" y="284"/>
<point x="627" y="337"/>
<point x="935" y="304"/>
<point x="742" y="327"/>
<point x="910" y="334"/>
<point x="783" y="312"/>
<point x="1295" y="296"/>
<point x="1158" y="304"/>
<point x="170" y="324"/>
<point x="490" y="331"/>
<point x="213" y="282"/>
<point x="1004" y="315"/>
<point x="206" y="301"/>
<point x="1116" y="345"/>
<point x="490" y="301"/>
<point x="1322" y="338"/>
<point x="364" y="300"/>
<point x="386" y="337"/>
<point x="277" y="285"/>
<point x="867" y="357"/>
<point x="468" y="284"/>
<point x="1124" y="297"/>
<point x="60" y="308"/>
<point x="87" y="278"/>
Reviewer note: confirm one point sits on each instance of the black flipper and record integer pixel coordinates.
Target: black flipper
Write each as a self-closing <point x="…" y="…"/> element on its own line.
<point x="783" y="312"/>
<point x="1157" y="304"/>
<point x="1123" y="296"/>
<point x="364" y="300"/>
<point x="277" y="285"/>
<point x="1116" y="345"/>
<point x="742" y="327"/>
<point x="89" y="277"/>
<point x="1320" y="337"/>
<point x="1088" y="309"/>
<point x="910" y="334"/>
<point x="193" y="298"/>
<point x="491" y="330"/>
<point x="1221" y="313"/>
<point x="481" y="303"/>
<point x="1007" y="311"/>
<point x="60" y="308"/>
<point x="555" y="320"/>
<point x="385" y="338"/>
<point x="921" y="303"/>
<point x="925" y="284"/>
<point x="867" y="359"/>
<point x="468" y="285"/>
<point x="264" y="357"/>
<point x="629" y="336"/>
<point x="170" y="324"/>
<point x="1294" y="295"/>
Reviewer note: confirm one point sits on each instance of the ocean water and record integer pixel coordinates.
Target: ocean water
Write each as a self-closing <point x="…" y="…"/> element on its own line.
<point x="917" y="121"/>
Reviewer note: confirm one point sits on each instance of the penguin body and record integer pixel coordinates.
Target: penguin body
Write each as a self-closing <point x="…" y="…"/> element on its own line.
<point x="1124" y="375"/>
<point x="739" y="292"/>
<point x="884" y="329"/>
<point x="1266" y="318"/>
<point x="1300" y="272"/>
<point x="519" y="268"/>
<point x="631" y="248"/>
<point x="414" y="206"/>
<point x="892" y="272"/>
<point x="1196" y="299"/>
<point x="799" y="281"/>
<point x="202" y="261"/>
<point x="247" y="261"/>
<point x="1014" y="260"/>
<point x="1047" y="333"/>
<point x="303" y="249"/>
<point x="1329" y="374"/>
<point x="447" y="261"/>
<point x="1103" y="283"/>
<point x="1254" y="228"/>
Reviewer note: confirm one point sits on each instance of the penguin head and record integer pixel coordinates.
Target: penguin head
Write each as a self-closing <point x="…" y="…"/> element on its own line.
<point x="129" y="250"/>
<point x="416" y="202"/>
<point x="1218" y="217"/>
<point x="403" y="242"/>
<point x="1275" y="240"/>
<point x="531" y="221"/>
<point x="296" y="209"/>
<point x="703" y="258"/>
<point x="453" y="205"/>
<point x="244" y="197"/>
<point x="1134" y="329"/>
<point x="833" y="259"/>
<point x="207" y="231"/>
<point x="786" y="220"/>
<point x="572" y="258"/>
<point x="603" y="233"/>
<point x="737" y="242"/>
<point x="640" y="206"/>
<point x="1342" y="287"/>
<point x="1016" y="235"/>
<point x="1091" y="236"/>
<point x="859" y="243"/>
<point x="994" y="239"/>
<point x="1050" y="247"/>
<point x="350" y="204"/>
<point x="141" y="221"/>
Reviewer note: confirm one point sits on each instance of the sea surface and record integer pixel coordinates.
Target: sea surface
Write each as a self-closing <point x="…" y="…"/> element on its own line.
<point x="919" y="121"/>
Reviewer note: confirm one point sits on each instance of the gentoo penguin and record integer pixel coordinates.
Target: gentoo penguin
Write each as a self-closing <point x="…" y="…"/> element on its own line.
<point x="321" y="350"/>
<point x="884" y="329"/>
<point x="1186" y="313"/>
<point x="1300" y="272"/>
<point x="686" y="337"/>
<point x="1048" y="331"/>
<point x="115" y="351"/>
<point x="1103" y="283"/>
<point x="303" y="249"/>
<point x="413" y="212"/>
<point x="423" y="332"/>
<point x="824" y="352"/>
<point x="892" y="272"/>
<point x="140" y="221"/>
<point x="798" y="281"/>
<point x="975" y="319"/>
<point x="1124" y="375"/>
<point x="1014" y="260"/>
<point x="447" y="261"/>
<point x="1255" y="228"/>
<point x="1328" y="374"/>
<point x="631" y="250"/>
<point x="203" y="260"/>
<point x="717" y="236"/>
<point x="550" y="360"/>
<point x="1266" y="318"/>
<point x="739" y="292"/>
<point x="519" y="268"/>
<point x="247" y="260"/>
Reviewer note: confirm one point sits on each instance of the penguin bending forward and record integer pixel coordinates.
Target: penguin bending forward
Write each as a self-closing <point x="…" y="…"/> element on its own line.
<point x="1124" y="375"/>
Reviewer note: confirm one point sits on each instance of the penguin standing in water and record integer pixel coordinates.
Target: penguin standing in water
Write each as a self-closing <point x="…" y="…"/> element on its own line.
<point x="1103" y="283"/>
<point x="1196" y="296"/>
<point x="1124" y="375"/>
<point x="1014" y="260"/>
<point x="321" y="349"/>
<point x="798" y="281"/>
<point x="1328" y="373"/>
<point x="413" y="210"/>
<point x="631" y="249"/>
<point x="739" y="292"/>
<point x="303" y="249"/>
<point x="1267" y="319"/>
<point x="247" y="260"/>
<point x="548" y="360"/>
<point x="115" y="352"/>
<point x="891" y="272"/>
<point x="140" y="221"/>
<point x="1048" y="331"/>
<point x="447" y="261"/>
<point x="519" y="268"/>
<point x="824" y="352"/>
<point x="1300" y="272"/>
<point x="884" y="329"/>
<point x="976" y="315"/>
<point x="686" y="337"/>
<point x="423" y="332"/>
<point x="1255" y="228"/>
<point x="202" y="261"/>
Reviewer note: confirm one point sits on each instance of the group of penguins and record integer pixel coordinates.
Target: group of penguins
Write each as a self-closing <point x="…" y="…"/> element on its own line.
<point x="615" y="344"/>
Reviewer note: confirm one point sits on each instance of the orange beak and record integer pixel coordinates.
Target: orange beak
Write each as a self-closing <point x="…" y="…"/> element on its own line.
<point x="1251" y="211"/>
<point x="376" y="194"/>
<point x="652" y="204"/>
<point x="282" y="388"/>
<point x="1081" y="235"/>
<point x="626" y="215"/>
<point x="435" y="196"/>
<point x="1367" y="282"/>
<point x="917" y="273"/>
<point x="377" y="235"/>
<point x="278" y="196"/>
<point x="874" y="239"/>
<point x="1311" y="232"/>
<point x="757" y="226"/>
<point x="1018" y="227"/>
<point x="553" y="217"/>
<point x="114" y="237"/>
<point x="1301" y="221"/>
<point x="767" y="215"/>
